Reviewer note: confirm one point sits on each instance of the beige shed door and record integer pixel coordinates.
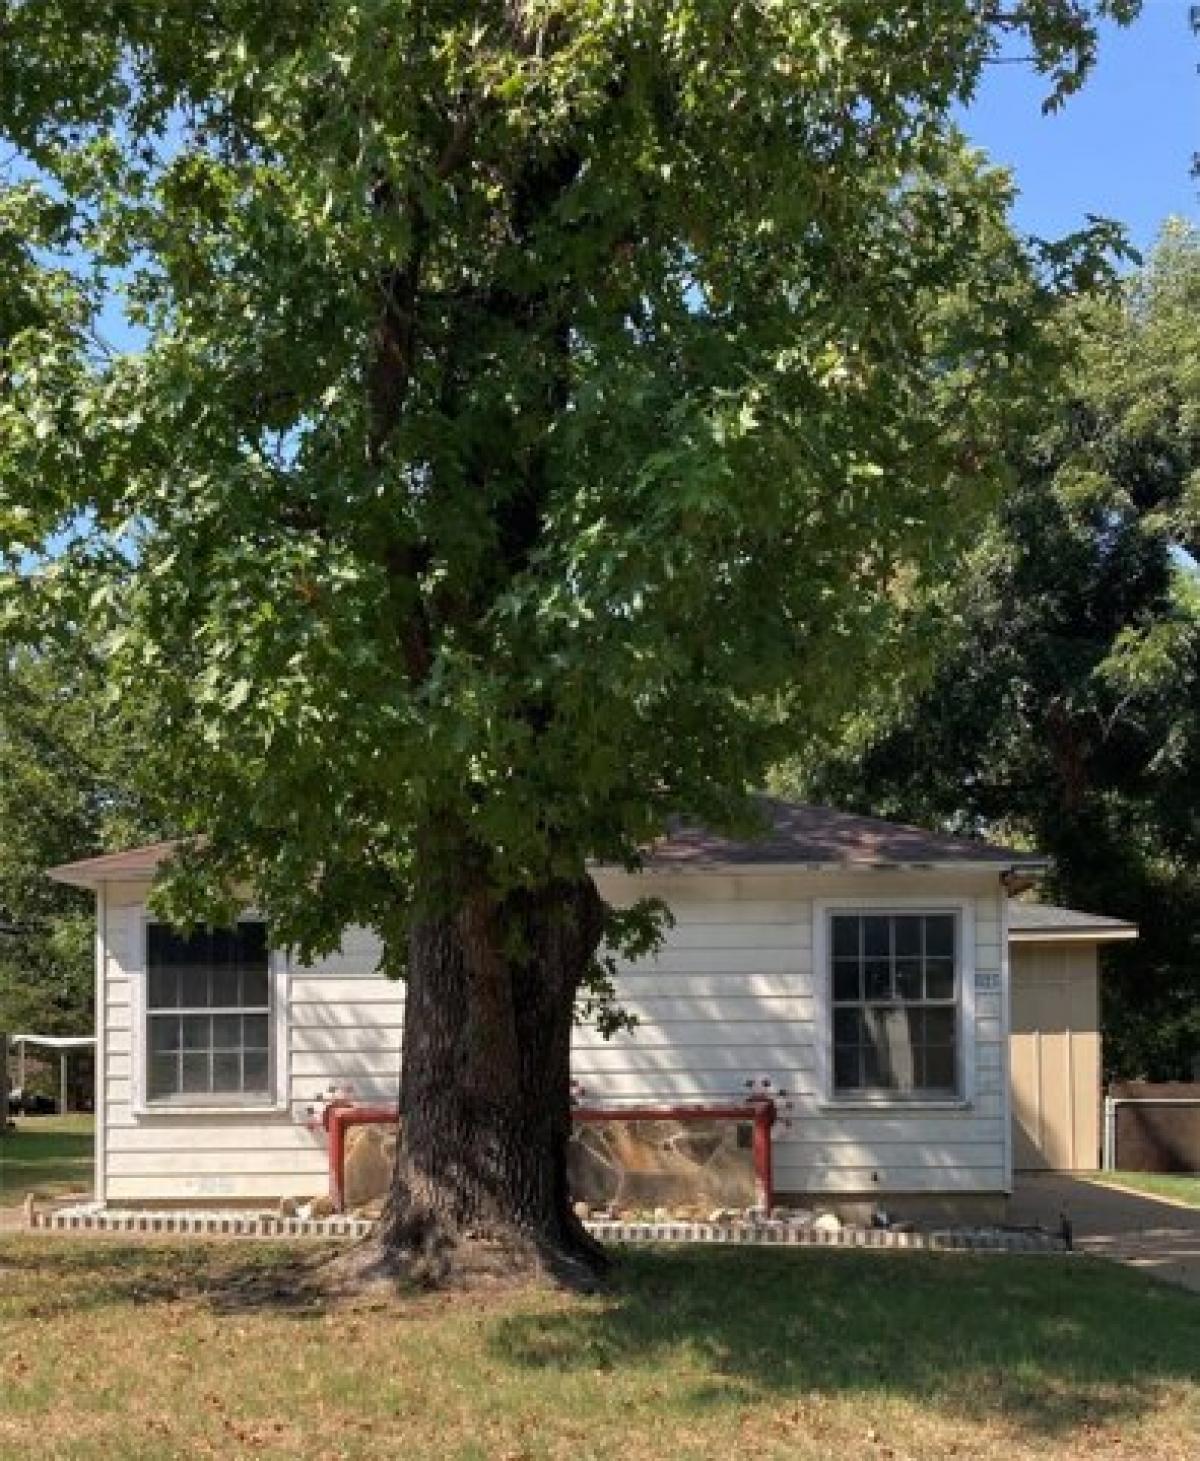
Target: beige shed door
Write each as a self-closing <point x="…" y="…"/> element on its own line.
<point x="1055" y="1057"/>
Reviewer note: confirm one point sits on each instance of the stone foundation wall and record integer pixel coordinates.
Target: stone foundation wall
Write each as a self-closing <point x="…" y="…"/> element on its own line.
<point x="689" y="1167"/>
<point x="370" y="1154"/>
<point x="676" y="1165"/>
<point x="686" y="1169"/>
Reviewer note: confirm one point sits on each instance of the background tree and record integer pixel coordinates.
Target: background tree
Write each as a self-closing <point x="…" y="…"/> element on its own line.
<point x="65" y="787"/>
<point x="1067" y="713"/>
<point x="62" y="795"/>
<point x="547" y="412"/>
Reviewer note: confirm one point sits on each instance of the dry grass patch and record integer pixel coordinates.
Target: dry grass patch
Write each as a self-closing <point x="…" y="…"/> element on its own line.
<point x="113" y="1350"/>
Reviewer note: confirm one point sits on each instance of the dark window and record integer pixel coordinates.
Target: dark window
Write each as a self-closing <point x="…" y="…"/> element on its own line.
<point x="208" y="1013"/>
<point x="894" y="981"/>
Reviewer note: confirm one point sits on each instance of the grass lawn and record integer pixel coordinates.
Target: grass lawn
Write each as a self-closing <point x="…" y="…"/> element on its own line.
<point x="110" y="1350"/>
<point x="1183" y="1187"/>
<point x="46" y="1154"/>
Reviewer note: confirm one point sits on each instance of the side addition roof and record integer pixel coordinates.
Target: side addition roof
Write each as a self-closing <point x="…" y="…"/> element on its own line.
<point x="115" y="867"/>
<point x="1045" y="923"/>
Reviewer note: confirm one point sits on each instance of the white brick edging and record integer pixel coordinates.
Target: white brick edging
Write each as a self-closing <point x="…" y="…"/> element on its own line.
<point x="794" y="1235"/>
<point x="195" y="1224"/>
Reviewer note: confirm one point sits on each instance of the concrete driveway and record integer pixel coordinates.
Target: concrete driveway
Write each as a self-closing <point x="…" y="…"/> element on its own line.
<point x="1160" y="1238"/>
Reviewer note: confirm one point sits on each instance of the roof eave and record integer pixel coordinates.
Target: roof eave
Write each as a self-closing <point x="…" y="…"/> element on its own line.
<point x="1079" y="934"/>
<point x="139" y="865"/>
<point x="997" y="866"/>
<point x="71" y="878"/>
<point x="83" y="877"/>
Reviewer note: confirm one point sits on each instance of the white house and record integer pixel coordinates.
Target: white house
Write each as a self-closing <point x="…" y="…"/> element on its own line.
<point x="932" y="1035"/>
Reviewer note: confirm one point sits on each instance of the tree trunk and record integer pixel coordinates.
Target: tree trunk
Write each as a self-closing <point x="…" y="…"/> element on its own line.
<point x="485" y="1087"/>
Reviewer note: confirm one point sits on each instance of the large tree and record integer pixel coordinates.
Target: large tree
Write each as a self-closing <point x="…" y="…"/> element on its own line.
<point x="542" y="413"/>
<point x="1065" y="711"/>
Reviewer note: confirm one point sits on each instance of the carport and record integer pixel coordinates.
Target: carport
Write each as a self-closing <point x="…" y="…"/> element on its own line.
<point x="64" y="1045"/>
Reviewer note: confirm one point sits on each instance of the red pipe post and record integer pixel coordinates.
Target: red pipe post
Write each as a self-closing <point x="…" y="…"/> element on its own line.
<point x="337" y="1118"/>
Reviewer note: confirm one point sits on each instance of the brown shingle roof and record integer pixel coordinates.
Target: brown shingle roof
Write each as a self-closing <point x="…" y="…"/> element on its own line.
<point x="797" y="833"/>
<point x="793" y="834"/>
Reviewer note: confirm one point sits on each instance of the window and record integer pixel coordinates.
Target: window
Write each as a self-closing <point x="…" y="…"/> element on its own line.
<point x="208" y="1015"/>
<point x="894" y="982"/>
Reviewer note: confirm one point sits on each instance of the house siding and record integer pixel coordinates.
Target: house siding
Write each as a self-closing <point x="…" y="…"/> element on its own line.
<point x="237" y="1156"/>
<point x="744" y="944"/>
<point x="733" y="997"/>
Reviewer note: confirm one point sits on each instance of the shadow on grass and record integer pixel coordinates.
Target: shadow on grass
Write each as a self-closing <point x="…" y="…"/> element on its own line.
<point x="1044" y="1344"/>
<point x="43" y="1277"/>
<point x="1039" y="1344"/>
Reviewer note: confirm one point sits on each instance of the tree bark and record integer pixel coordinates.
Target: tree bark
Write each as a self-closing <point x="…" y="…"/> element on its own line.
<point x="485" y="1086"/>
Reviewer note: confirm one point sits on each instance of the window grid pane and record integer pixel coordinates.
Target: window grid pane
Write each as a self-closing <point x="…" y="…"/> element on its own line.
<point x="208" y="1008"/>
<point x="895" y="1017"/>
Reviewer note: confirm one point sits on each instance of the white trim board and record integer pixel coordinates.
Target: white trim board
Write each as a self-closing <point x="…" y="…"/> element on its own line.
<point x="1099" y="935"/>
<point x="100" y="1067"/>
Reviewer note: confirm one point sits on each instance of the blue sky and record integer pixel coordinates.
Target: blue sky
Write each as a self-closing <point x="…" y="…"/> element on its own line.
<point x="1122" y="147"/>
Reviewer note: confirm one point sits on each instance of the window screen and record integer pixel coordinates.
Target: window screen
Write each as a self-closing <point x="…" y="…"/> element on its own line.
<point x="208" y="1011"/>
<point x="894" y="980"/>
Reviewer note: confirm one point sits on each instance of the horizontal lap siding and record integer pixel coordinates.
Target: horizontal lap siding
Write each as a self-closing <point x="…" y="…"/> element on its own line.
<point x="166" y="1134"/>
<point x="637" y="1057"/>
<point x="650" y="1082"/>
<point x="176" y="1158"/>
<point x="197" y="1163"/>
<point x="933" y="1150"/>
<point x="724" y="1003"/>
<point x="346" y="1022"/>
<point x="241" y="1181"/>
<point x="318" y="1075"/>
<point x="880" y="1178"/>
<point x="729" y="1000"/>
<point x="647" y="984"/>
<point x="346" y="1025"/>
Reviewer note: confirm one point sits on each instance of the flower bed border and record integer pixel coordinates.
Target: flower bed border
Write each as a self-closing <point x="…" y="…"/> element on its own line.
<point x="774" y="1234"/>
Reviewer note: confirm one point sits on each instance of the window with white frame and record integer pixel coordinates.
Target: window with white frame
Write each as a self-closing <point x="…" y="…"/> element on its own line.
<point x="208" y="1015"/>
<point x="894" y="981"/>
